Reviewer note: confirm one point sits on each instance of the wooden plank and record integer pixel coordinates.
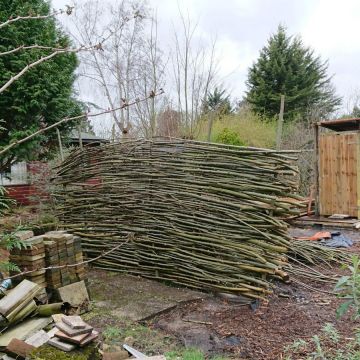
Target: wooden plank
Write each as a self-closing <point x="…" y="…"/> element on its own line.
<point x="339" y="216"/>
<point x="324" y="223"/>
<point x="338" y="173"/>
<point x="317" y="168"/>
<point x="23" y="330"/>
<point x="356" y="183"/>
<point x="25" y="290"/>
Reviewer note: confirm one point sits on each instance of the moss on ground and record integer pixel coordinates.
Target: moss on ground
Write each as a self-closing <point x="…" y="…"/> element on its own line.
<point x="47" y="352"/>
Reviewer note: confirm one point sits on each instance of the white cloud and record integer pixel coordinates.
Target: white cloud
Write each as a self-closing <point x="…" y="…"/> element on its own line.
<point x="243" y="27"/>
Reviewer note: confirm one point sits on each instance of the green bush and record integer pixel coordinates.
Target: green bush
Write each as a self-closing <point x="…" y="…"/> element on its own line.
<point x="250" y="129"/>
<point x="229" y="137"/>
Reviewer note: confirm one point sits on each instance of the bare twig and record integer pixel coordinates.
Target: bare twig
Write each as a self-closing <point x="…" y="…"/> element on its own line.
<point x="67" y="119"/>
<point x="70" y="265"/>
<point x="68" y="11"/>
<point x="198" y="322"/>
<point x="98" y="46"/>
<point x="30" y="47"/>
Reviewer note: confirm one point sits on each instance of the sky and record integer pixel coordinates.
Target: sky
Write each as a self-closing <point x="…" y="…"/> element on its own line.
<point x="242" y="28"/>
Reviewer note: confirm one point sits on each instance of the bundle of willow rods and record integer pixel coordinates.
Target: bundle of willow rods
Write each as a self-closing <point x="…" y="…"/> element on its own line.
<point x="202" y="215"/>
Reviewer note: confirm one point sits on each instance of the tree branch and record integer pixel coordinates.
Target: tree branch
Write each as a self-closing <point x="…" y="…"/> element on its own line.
<point x="23" y="47"/>
<point x="68" y="11"/>
<point x="67" y="119"/>
<point x="98" y="46"/>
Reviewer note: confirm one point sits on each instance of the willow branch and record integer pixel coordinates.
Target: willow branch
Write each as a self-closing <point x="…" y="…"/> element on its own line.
<point x="59" y="267"/>
<point x="84" y="115"/>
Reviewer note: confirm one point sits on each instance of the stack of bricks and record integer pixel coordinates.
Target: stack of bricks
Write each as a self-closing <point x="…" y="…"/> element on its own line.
<point x="32" y="257"/>
<point x="54" y="249"/>
<point x="63" y="249"/>
<point x="80" y="270"/>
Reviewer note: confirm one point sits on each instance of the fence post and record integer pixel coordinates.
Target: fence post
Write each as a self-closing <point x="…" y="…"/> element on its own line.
<point x="60" y="144"/>
<point x="210" y="124"/>
<point x="316" y="165"/>
<point x="280" y="123"/>
<point x="80" y="138"/>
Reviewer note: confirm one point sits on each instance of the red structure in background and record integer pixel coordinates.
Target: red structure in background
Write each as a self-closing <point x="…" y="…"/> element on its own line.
<point x="33" y="190"/>
<point x="28" y="183"/>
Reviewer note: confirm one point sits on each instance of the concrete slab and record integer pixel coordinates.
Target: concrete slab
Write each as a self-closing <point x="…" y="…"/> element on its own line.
<point x="134" y="298"/>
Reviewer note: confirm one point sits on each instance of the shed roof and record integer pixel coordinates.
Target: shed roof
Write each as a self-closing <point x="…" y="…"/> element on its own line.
<point x="341" y="124"/>
<point x="86" y="138"/>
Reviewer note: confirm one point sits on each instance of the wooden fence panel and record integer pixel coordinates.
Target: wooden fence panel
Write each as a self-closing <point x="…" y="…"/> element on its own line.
<point x="338" y="173"/>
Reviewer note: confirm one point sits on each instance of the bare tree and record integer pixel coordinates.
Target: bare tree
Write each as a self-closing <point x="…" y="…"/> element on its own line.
<point x="194" y="71"/>
<point x="151" y="76"/>
<point x="130" y="66"/>
<point x="93" y="47"/>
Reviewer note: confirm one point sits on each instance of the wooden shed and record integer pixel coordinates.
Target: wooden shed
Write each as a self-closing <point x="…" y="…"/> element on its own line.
<point x="338" y="167"/>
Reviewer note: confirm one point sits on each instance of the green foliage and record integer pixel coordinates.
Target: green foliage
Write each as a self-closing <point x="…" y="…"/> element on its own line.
<point x="286" y="66"/>
<point x="5" y="201"/>
<point x="355" y="113"/>
<point x="189" y="354"/>
<point x="328" y="345"/>
<point x="46" y="352"/>
<point x="229" y="137"/>
<point x="249" y="127"/>
<point x="298" y="345"/>
<point x="44" y="94"/>
<point x="9" y="241"/>
<point x="111" y="333"/>
<point x="218" y="101"/>
<point x="331" y="332"/>
<point x="348" y="288"/>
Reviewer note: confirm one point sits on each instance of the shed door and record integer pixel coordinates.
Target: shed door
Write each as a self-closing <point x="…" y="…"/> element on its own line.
<point x="338" y="168"/>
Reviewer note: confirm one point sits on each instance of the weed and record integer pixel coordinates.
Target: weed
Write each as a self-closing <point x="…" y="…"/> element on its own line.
<point x="319" y="352"/>
<point x="331" y="333"/>
<point x="328" y="345"/>
<point x="348" y="288"/>
<point x="189" y="354"/>
<point x="8" y="242"/>
<point x="297" y="346"/>
<point x="5" y="202"/>
<point x="111" y="333"/>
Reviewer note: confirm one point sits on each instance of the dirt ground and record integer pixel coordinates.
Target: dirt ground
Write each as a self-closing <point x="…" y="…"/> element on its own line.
<point x="164" y="318"/>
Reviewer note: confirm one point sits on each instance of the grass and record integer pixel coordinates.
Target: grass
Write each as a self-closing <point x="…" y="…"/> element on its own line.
<point x="250" y="128"/>
<point x="189" y="354"/>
